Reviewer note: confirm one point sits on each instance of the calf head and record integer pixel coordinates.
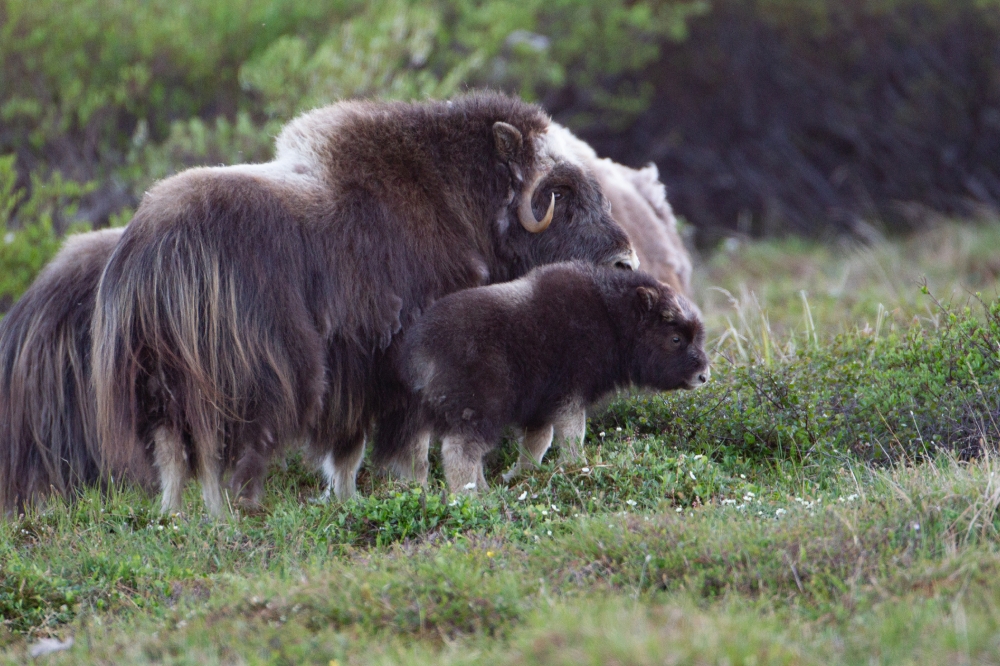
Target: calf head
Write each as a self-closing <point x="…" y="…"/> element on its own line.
<point x="670" y="340"/>
<point x="556" y="210"/>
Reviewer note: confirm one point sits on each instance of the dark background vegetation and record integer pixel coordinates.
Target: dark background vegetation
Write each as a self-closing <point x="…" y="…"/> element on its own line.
<point x="821" y="117"/>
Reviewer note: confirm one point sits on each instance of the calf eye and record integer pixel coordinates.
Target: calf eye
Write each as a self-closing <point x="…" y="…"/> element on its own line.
<point x="677" y="340"/>
<point x="558" y="195"/>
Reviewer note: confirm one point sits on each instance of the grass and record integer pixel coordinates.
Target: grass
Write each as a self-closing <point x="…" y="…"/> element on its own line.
<point x="830" y="498"/>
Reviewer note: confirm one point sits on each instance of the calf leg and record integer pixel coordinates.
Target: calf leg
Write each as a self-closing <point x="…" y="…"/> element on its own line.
<point x="570" y="427"/>
<point x="533" y="445"/>
<point x="171" y="463"/>
<point x="411" y="464"/>
<point x="463" y="463"/>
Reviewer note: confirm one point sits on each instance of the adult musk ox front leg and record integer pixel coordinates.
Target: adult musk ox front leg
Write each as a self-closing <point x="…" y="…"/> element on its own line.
<point x="203" y="344"/>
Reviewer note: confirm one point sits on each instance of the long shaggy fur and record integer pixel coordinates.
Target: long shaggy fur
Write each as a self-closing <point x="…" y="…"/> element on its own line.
<point x="639" y="204"/>
<point x="48" y="439"/>
<point x="251" y="306"/>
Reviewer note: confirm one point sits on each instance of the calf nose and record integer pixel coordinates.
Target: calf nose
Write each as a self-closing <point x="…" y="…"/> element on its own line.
<point x="703" y="377"/>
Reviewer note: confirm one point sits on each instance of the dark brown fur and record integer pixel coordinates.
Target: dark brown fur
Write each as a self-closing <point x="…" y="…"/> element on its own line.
<point x="535" y="352"/>
<point x="48" y="439"/>
<point x="249" y="307"/>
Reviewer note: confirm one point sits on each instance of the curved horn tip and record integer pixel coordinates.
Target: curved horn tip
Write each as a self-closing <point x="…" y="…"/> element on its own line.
<point x="543" y="224"/>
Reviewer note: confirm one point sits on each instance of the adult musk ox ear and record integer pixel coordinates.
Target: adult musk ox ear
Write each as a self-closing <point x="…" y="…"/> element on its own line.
<point x="647" y="297"/>
<point x="509" y="141"/>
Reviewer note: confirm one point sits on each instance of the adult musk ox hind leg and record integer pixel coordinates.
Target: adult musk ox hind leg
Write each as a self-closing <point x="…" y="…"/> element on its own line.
<point x="48" y="434"/>
<point x="202" y="334"/>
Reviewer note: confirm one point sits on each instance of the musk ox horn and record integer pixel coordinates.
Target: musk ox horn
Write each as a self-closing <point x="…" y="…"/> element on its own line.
<point x="527" y="216"/>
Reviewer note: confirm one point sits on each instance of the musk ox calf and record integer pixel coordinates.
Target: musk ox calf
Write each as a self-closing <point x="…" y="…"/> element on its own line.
<point x="48" y="433"/>
<point x="247" y="307"/>
<point x="535" y="352"/>
<point x="639" y="204"/>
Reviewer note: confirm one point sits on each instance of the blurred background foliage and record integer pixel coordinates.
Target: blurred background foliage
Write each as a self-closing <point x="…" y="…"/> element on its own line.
<point x="822" y="117"/>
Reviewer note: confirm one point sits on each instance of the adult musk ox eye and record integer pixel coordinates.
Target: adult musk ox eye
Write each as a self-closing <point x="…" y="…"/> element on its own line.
<point x="677" y="340"/>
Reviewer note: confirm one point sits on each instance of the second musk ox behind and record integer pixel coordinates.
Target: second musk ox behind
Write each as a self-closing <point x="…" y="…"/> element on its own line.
<point x="48" y="438"/>
<point x="250" y="306"/>
<point x="535" y="352"/>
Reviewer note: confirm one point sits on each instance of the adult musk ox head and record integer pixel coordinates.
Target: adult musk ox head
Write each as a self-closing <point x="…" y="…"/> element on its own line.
<point x="561" y="196"/>
<point x="48" y="438"/>
<point x="250" y="306"/>
<point x="639" y="204"/>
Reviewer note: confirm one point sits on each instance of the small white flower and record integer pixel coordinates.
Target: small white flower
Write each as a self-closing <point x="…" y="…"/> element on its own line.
<point x="602" y="433"/>
<point x="9" y="237"/>
<point x="743" y="476"/>
<point x="691" y="474"/>
<point x="555" y="508"/>
<point x="522" y="496"/>
<point x="544" y="512"/>
<point x="549" y="532"/>
<point x="916" y="527"/>
<point x="471" y="485"/>
<point x="618" y="429"/>
<point x="679" y="509"/>
<point x="780" y="512"/>
<point x="585" y="470"/>
<point x="630" y="502"/>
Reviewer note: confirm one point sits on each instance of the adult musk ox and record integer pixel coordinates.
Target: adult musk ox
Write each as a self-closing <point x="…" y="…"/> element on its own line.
<point x="48" y="438"/>
<point x="639" y="204"/>
<point x="535" y="352"/>
<point x="250" y="306"/>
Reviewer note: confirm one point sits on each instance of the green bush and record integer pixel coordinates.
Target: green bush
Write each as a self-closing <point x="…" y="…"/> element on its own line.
<point x="903" y="394"/>
<point x="26" y="247"/>
<point x="84" y="81"/>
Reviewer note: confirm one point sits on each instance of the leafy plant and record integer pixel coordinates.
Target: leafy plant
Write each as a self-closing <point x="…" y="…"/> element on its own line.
<point x="30" y="238"/>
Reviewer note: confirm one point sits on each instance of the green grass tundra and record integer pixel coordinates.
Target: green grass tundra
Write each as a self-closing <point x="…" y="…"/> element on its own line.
<point x="829" y="498"/>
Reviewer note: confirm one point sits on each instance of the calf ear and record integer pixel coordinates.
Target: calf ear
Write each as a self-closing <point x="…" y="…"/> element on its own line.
<point x="509" y="141"/>
<point x="647" y="297"/>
